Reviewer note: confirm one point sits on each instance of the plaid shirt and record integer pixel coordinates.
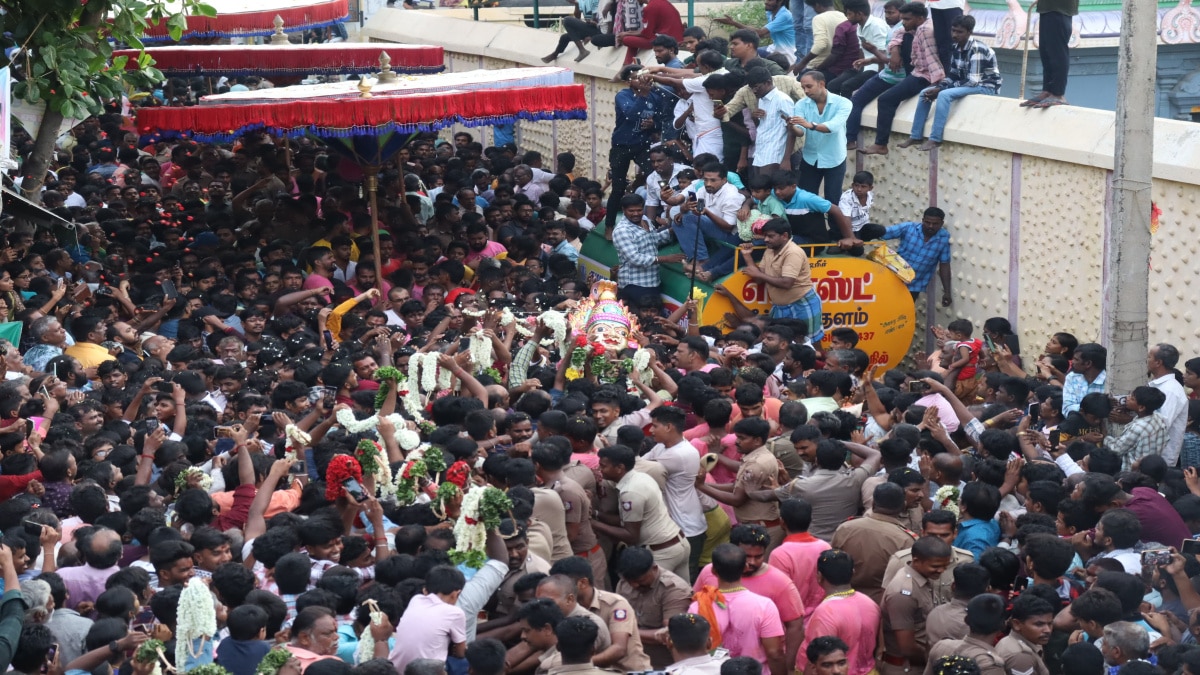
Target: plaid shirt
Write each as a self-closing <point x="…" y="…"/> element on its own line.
<point x="637" y="249"/>
<point x="1143" y="436"/>
<point x="925" y="59"/>
<point x="1076" y="386"/>
<point x="972" y="65"/>
<point x="921" y="254"/>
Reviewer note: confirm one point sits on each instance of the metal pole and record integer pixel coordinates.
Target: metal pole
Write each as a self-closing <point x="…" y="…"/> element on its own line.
<point x="1126" y="292"/>
<point x="371" y="179"/>
<point x="691" y="12"/>
<point x="1025" y="51"/>
<point x="537" y="15"/>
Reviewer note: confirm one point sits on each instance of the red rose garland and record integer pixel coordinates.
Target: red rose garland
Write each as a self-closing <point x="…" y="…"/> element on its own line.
<point x="341" y="468"/>
<point x="459" y="473"/>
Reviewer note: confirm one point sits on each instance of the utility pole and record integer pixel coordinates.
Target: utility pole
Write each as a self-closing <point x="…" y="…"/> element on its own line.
<point x="1126" y="293"/>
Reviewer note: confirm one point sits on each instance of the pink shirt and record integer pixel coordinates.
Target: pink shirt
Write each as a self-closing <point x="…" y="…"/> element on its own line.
<point x="493" y="249"/>
<point x="746" y="619"/>
<point x="797" y="557"/>
<point x="946" y="412"/>
<point x="855" y="620"/>
<point x="426" y="631"/>
<point x="317" y="281"/>
<point x="589" y="459"/>
<point x="770" y="583"/>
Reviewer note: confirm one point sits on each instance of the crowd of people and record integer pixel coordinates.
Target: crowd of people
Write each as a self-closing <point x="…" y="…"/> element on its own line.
<point x="237" y="432"/>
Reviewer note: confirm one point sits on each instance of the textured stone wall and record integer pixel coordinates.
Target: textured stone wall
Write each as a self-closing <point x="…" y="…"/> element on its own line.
<point x="1027" y="193"/>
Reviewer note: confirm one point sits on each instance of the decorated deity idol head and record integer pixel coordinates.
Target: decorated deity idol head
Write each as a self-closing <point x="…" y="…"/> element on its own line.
<point x="604" y="319"/>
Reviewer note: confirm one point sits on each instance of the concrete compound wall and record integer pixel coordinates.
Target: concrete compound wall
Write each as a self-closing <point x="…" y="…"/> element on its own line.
<point x="1027" y="193"/>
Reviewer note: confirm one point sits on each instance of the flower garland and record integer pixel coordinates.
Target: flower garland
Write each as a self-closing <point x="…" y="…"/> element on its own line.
<point x="405" y="484"/>
<point x="347" y="420"/>
<point x="341" y="468"/>
<point x="557" y="323"/>
<point x="181" y="479"/>
<point x="385" y="376"/>
<point x="446" y="493"/>
<point x="481" y="511"/>
<point x="296" y="439"/>
<point x="605" y="369"/>
<point x="196" y="621"/>
<point x="273" y="660"/>
<point x="482" y="353"/>
<point x="208" y="669"/>
<point x="374" y="462"/>
<point x="406" y="438"/>
<point x="946" y="499"/>
<point x="366" y="643"/>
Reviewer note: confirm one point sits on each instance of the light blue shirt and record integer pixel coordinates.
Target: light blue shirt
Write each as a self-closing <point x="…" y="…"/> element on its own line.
<point x="783" y="32"/>
<point x="977" y="535"/>
<point x="771" y="141"/>
<point x="825" y="150"/>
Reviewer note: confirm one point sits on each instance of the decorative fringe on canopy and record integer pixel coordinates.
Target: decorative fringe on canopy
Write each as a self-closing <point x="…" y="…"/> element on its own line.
<point x="254" y="22"/>
<point x="471" y="80"/>
<point x="368" y="116"/>
<point x="283" y="60"/>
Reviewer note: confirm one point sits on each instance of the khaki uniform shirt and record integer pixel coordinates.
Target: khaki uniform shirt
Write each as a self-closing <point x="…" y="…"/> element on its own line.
<point x="603" y="637"/>
<point x="548" y="508"/>
<point x="540" y="537"/>
<point x="871" y="541"/>
<point x="577" y="509"/>
<point x="669" y="596"/>
<point x="785" y="451"/>
<point x="790" y="262"/>
<point x="942" y="585"/>
<point x="506" y="598"/>
<point x="757" y="472"/>
<point x="642" y="502"/>
<point x="580" y="473"/>
<point x="985" y="656"/>
<point x="907" y="602"/>
<point x="947" y="622"/>
<point x="621" y="619"/>
<point x="834" y="496"/>
<point x="1021" y="657"/>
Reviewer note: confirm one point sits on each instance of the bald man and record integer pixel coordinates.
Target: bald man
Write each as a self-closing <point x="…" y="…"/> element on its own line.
<point x="101" y="551"/>
<point x="947" y="470"/>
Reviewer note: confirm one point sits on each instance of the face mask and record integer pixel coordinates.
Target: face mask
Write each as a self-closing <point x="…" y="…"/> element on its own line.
<point x="1154" y="598"/>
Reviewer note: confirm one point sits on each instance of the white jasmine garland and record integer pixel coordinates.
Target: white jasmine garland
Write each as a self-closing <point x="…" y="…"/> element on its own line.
<point x="641" y="359"/>
<point x="470" y="537"/>
<point x="429" y="371"/>
<point x="347" y="421"/>
<point x="443" y="375"/>
<point x="297" y="438"/>
<point x="366" y="644"/>
<point x="481" y="350"/>
<point x="196" y="619"/>
<point x="557" y="323"/>
<point x="407" y="439"/>
<point x="473" y="313"/>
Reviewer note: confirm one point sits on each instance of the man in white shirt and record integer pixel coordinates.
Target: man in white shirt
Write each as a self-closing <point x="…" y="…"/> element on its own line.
<point x="1161" y="363"/>
<point x="770" y="144"/>
<point x="664" y="175"/>
<point x="682" y="462"/>
<point x="712" y="214"/>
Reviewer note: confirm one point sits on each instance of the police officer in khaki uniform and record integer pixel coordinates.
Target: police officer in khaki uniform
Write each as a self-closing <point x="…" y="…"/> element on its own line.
<point x="656" y="595"/>
<point x="759" y="473"/>
<point x="643" y="518"/>
<point x="561" y="589"/>
<point x="576" y="637"/>
<point x="1032" y="623"/>
<point x="550" y="461"/>
<point x="873" y="539"/>
<point x="520" y="563"/>
<point x="985" y="621"/>
<point x="943" y="525"/>
<point x="907" y="601"/>
<point x="948" y="621"/>
<point x="547" y="504"/>
<point x="626" y="652"/>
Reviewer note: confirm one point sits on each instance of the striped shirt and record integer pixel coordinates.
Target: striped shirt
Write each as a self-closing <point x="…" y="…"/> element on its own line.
<point x="637" y="250"/>
<point x="771" y="143"/>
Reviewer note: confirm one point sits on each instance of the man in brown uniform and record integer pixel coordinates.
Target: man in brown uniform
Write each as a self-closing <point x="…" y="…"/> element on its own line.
<point x="643" y="518"/>
<point x="547" y="504"/>
<point x="626" y="653"/>
<point x="943" y="525"/>
<point x="907" y="601"/>
<point x="985" y="621"/>
<point x="575" y="647"/>
<point x="656" y="595"/>
<point x="1032" y="623"/>
<point x="948" y="621"/>
<point x="872" y="539"/>
<point x="577" y="510"/>
<point x="520" y="563"/>
<point x="759" y="472"/>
